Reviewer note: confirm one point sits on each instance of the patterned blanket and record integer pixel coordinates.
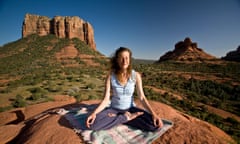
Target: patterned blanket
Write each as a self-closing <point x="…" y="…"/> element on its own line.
<point x="121" y="134"/>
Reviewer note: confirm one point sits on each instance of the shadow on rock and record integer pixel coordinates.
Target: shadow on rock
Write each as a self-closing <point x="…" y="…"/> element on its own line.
<point x="20" y="117"/>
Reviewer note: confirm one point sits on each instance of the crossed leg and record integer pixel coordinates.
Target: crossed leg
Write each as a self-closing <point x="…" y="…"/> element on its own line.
<point x="111" y="117"/>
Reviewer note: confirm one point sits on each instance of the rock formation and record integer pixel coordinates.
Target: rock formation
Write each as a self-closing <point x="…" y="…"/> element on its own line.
<point x="233" y="55"/>
<point x="186" y="51"/>
<point x="41" y="125"/>
<point x="62" y="27"/>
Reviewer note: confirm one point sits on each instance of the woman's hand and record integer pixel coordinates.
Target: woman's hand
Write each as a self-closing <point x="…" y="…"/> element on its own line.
<point x="157" y="121"/>
<point x="90" y="120"/>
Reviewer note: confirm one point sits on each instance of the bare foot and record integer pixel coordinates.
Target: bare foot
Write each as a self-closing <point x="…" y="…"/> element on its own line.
<point x="131" y="116"/>
<point x="61" y="111"/>
<point x="111" y="115"/>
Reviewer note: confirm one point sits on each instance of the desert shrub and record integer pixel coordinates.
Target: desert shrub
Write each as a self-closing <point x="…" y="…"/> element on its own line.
<point x="78" y="97"/>
<point x="2" y="109"/>
<point x="19" y="101"/>
<point x="84" y="48"/>
<point x="90" y="86"/>
<point x="5" y="90"/>
<point x="148" y="91"/>
<point x="54" y="88"/>
<point x="36" y="93"/>
<point x="72" y="91"/>
<point x="232" y="120"/>
<point x="70" y="78"/>
<point x="37" y="90"/>
<point x="101" y="61"/>
<point x="92" y="97"/>
<point x="35" y="96"/>
<point x="79" y="80"/>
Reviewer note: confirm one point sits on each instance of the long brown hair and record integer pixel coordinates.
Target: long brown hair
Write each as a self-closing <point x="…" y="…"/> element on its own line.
<point x="115" y="68"/>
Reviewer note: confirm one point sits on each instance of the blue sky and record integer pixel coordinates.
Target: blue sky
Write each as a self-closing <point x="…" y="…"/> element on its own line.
<point x="149" y="27"/>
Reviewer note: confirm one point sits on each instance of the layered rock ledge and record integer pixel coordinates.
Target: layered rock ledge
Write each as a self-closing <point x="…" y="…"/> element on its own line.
<point x="62" y="27"/>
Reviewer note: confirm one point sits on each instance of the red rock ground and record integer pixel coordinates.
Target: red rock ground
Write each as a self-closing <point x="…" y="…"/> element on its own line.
<point x="39" y="124"/>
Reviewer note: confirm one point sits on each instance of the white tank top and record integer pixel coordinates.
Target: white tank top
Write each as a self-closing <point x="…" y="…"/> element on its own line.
<point x="122" y="96"/>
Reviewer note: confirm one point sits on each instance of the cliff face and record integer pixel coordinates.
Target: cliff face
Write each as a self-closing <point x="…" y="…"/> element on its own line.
<point x="62" y="27"/>
<point x="233" y="55"/>
<point x="186" y="51"/>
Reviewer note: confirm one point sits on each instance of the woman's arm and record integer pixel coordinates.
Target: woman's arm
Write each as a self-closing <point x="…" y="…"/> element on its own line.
<point x="91" y="118"/>
<point x="144" y="101"/>
<point x="106" y="99"/>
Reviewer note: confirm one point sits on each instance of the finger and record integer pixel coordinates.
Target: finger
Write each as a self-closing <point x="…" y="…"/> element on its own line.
<point x="88" y="126"/>
<point x="155" y="122"/>
<point x="88" y="122"/>
<point x="160" y="123"/>
<point x="139" y="113"/>
<point x="91" y="121"/>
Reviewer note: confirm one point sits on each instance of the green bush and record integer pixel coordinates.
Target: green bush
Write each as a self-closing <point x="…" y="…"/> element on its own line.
<point x="92" y="97"/>
<point x="2" y="109"/>
<point x="78" y="97"/>
<point x="36" y="93"/>
<point x="19" y="101"/>
<point x="35" y="96"/>
<point x="54" y="88"/>
<point x="91" y="86"/>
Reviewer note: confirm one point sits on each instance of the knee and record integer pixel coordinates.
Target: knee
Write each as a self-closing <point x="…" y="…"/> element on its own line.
<point x="95" y="126"/>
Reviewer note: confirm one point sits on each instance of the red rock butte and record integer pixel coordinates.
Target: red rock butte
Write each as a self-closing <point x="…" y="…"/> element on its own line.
<point x="62" y="27"/>
<point x="187" y="51"/>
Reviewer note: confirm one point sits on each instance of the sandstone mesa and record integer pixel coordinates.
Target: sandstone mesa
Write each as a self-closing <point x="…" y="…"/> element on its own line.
<point x="62" y="27"/>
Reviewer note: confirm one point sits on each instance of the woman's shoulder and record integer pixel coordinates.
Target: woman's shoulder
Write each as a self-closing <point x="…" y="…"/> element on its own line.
<point x="109" y="75"/>
<point x="136" y="75"/>
<point x="136" y="72"/>
<point x="139" y="75"/>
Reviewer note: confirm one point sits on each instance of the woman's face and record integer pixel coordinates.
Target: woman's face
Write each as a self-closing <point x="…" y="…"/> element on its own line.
<point x="123" y="59"/>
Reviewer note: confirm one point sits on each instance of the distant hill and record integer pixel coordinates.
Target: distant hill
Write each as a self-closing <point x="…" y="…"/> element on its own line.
<point x="187" y="51"/>
<point x="142" y="61"/>
<point x="35" y="68"/>
<point x="233" y="55"/>
<point x="42" y="53"/>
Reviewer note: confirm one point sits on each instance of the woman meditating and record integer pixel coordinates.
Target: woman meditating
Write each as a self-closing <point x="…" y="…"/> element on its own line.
<point x="122" y="81"/>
